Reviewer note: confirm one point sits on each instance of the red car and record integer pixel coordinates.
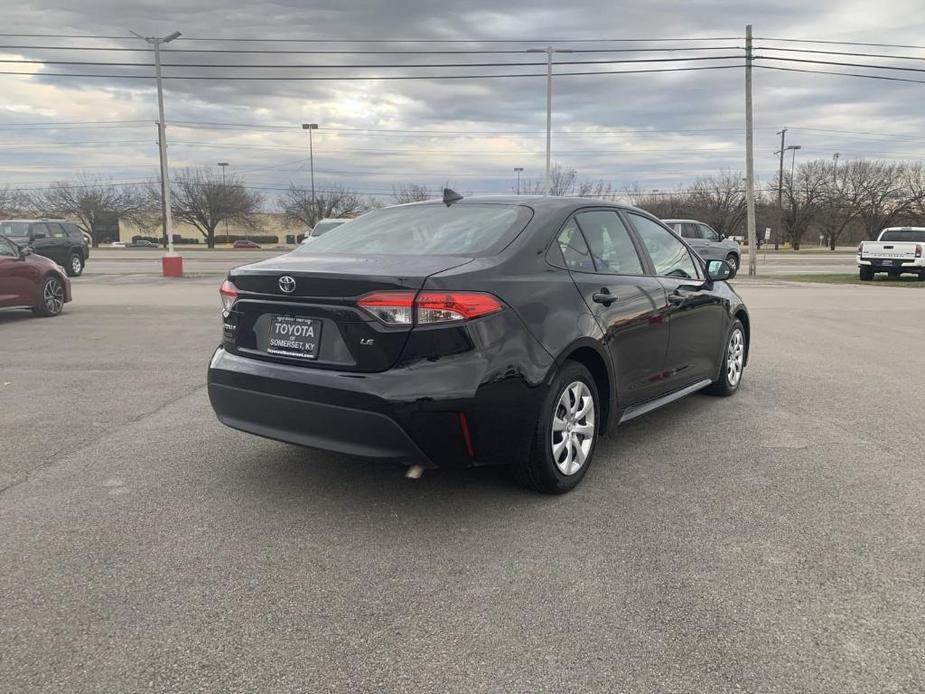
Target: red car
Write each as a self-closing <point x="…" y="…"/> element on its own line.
<point x="244" y="243"/>
<point x="31" y="281"/>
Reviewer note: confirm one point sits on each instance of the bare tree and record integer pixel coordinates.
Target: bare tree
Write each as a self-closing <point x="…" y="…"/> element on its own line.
<point x="92" y="201"/>
<point x="599" y="189"/>
<point x="200" y="198"/>
<point x="884" y="199"/>
<point x="803" y="194"/>
<point x="840" y="202"/>
<point x="12" y="203"/>
<point x="331" y="202"/>
<point x="410" y="193"/>
<point x="662" y="204"/>
<point x="719" y="201"/>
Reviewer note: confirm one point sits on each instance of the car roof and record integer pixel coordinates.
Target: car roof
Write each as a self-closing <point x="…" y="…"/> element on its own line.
<point x="691" y="221"/>
<point x="904" y="229"/>
<point x="544" y="203"/>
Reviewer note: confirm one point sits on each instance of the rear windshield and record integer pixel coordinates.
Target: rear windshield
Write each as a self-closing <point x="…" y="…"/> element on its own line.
<point x="903" y="235"/>
<point x="14" y="229"/>
<point x="324" y="227"/>
<point x="466" y="230"/>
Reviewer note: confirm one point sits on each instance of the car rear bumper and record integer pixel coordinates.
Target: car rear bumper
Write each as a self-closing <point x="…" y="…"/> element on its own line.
<point x="885" y="264"/>
<point x="452" y="413"/>
<point x="315" y="424"/>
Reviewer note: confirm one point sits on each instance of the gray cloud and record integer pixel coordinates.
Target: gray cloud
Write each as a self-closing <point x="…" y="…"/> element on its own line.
<point x="655" y="130"/>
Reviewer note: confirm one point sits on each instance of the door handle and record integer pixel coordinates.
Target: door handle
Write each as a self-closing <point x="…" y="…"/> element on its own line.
<point x="677" y="297"/>
<point x="603" y="297"/>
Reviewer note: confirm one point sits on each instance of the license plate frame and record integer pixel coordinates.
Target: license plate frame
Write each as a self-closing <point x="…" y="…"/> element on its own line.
<point x="294" y="337"/>
<point x="886" y="263"/>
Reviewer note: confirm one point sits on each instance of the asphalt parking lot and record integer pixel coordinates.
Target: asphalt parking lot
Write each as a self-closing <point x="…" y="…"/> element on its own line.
<point x="768" y="542"/>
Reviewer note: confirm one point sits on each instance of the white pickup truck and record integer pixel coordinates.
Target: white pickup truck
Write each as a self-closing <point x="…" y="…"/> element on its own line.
<point x="896" y="250"/>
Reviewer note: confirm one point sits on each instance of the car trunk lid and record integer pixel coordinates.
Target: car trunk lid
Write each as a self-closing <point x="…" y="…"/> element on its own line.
<point x="313" y="299"/>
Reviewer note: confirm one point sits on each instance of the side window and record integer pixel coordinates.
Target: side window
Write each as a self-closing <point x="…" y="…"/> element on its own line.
<point x="57" y="231"/>
<point x="611" y="246"/>
<point x="689" y="231"/>
<point x="40" y="230"/>
<point x="574" y="249"/>
<point x="72" y="230"/>
<point x="6" y="249"/>
<point x="670" y="257"/>
<point x="708" y="233"/>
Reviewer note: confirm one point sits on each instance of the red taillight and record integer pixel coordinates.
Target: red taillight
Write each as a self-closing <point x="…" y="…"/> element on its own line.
<point x="401" y="307"/>
<point x="229" y="294"/>
<point x="918" y="250"/>
<point x="860" y="246"/>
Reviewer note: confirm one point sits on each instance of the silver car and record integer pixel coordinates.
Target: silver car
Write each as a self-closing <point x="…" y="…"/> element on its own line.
<point x="710" y="244"/>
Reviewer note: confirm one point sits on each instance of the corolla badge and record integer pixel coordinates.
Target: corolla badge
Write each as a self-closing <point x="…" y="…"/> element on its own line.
<point x="287" y="284"/>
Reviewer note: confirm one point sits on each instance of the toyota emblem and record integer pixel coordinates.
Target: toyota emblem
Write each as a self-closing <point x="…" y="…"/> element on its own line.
<point x="287" y="284"/>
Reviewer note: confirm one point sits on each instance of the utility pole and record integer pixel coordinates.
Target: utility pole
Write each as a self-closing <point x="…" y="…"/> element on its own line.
<point x="750" y="159"/>
<point x="224" y="165"/>
<point x="311" y="163"/>
<point x="172" y="265"/>
<point x="549" y="50"/>
<point x="780" y="189"/>
<point x="518" y="170"/>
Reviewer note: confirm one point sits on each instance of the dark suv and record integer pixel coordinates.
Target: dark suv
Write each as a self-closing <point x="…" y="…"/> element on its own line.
<point x="57" y="239"/>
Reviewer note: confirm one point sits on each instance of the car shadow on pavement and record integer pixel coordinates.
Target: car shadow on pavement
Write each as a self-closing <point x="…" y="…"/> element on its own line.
<point x="15" y="316"/>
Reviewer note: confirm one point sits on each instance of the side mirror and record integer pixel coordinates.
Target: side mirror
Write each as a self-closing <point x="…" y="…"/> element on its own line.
<point x="718" y="270"/>
<point x="23" y="252"/>
<point x="722" y="237"/>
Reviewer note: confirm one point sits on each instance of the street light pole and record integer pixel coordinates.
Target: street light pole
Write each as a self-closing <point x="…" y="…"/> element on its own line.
<point x="518" y="170"/>
<point x="311" y="163"/>
<point x="793" y="159"/>
<point x="780" y="189"/>
<point x="549" y="50"/>
<point x="224" y="165"/>
<point x="162" y="135"/>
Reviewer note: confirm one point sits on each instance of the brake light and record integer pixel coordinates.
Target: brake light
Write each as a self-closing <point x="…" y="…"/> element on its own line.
<point x="401" y="307"/>
<point x="229" y="294"/>
<point x="918" y="250"/>
<point x="860" y="246"/>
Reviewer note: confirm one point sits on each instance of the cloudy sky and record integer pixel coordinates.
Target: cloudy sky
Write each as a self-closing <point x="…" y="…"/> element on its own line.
<point x="651" y="130"/>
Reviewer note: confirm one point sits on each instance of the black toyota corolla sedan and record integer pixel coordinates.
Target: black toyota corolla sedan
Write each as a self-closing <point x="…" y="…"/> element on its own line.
<point x="494" y="330"/>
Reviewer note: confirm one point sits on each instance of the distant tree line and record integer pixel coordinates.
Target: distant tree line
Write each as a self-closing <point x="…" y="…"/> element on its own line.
<point x="837" y="201"/>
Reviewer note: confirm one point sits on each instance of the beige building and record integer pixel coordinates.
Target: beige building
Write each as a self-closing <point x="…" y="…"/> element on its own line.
<point x="269" y="224"/>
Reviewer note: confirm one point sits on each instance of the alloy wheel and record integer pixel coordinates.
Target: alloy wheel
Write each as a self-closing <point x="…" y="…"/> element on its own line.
<point x="76" y="264"/>
<point x="573" y="428"/>
<point x="735" y="356"/>
<point x="733" y="262"/>
<point x="53" y="296"/>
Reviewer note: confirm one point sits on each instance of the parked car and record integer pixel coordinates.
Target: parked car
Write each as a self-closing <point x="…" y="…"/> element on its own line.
<point x="244" y="243"/>
<point x="466" y="332"/>
<point x="709" y="243"/>
<point x="143" y="243"/>
<point x="896" y="251"/>
<point x="58" y="239"/>
<point x="322" y="227"/>
<point x="118" y="244"/>
<point x="28" y="280"/>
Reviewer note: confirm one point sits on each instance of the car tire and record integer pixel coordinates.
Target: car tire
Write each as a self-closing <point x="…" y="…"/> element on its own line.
<point x="75" y="265"/>
<point x="733" y="261"/>
<point x="730" y="377"/>
<point x="566" y="434"/>
<point x="866" y="273"/>
<point x="51" y="297"/>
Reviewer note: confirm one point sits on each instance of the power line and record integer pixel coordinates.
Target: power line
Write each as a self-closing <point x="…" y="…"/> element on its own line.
<point x="848" y="53"/>
<point x="843" y="74"/>
<point x="70" y="123"/>
<point x="291" y="51"/>
<point x="476" y="41"/>
<point x="368" y="78"/>
<point x="840" y="64"/>
<point x="278" y="66"/>
<point x="841" y="43"/>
